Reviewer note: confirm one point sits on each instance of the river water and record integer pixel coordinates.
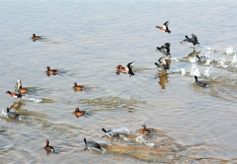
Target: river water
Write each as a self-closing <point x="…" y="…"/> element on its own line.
<point x="86" y="40"/>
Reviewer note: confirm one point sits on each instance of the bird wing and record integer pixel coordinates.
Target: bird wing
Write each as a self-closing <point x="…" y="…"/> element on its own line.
<point x="166" y="23"/>
<point x="194" y="37"/>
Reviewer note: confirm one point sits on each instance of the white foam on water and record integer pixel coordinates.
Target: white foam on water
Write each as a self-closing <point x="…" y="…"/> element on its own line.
<point x="142" y="140"/>
<point x="234" y="59"/>
<point x="37" y="100"/>
<point x="194" y="71"/>
<point x="207" y="72"/>
<point x="229" y="51"/>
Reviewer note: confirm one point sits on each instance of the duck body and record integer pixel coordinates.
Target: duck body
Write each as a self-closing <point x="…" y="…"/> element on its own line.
<point x="35" y="37"/>
<point x="193" y="39"/>
<point x="19" y="88"/>
<point x="164" y="27"/>
<point x="79" y="113"/>
<point x="127" y="69"/>
<point x="50" y="71"/>
<point x="91" y="145"/>
<point x="78" y="87"/>
<point x="200" y="83"/>
<point x="164" y="49"/>
<point x="14" y="94"/>
<point x="48" y="148"/>
<point x="163" y="63"/>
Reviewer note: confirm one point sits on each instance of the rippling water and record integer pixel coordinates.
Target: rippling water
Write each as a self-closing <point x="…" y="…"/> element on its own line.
<point x="86" y="40"/>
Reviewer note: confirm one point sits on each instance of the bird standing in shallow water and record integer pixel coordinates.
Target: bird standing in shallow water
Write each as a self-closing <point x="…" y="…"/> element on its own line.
<point x="48" y="148"/>
<point x="164" y="27"/>
<point x="200" y="83"/>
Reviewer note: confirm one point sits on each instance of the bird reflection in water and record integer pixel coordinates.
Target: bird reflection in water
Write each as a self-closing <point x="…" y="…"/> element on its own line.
<point x="163" y="79"/>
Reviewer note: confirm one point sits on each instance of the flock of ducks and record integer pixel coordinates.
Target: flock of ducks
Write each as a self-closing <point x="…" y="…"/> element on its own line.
<point x="163" y="64"/>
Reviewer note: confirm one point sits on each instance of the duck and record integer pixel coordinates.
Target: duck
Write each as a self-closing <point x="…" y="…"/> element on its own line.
<point x="91" y="145"/>
<point x="200" y="83"/>
<point x="78" y="87"/>
<point x="35" y="37"/>
<point x="78" y="113"/>
<point x="164" y="49"/>
<point x="14" y="94"/>
<point x="110" y="133"/>
<point x="11" y="114"/>
<point x="163" y="63"/>
<point x="50" y="71"/>
<point x="48" y="148"/>
<point x="164" y="27"/>
<point x="193" y="39"/>
<point x="145" y="131"/>
<point x="127" y="69"/>
<point x="19" y="88"/>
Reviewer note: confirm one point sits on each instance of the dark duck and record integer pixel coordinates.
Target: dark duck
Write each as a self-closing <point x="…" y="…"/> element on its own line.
<point x="77" y="87"/>
<point x="145" y="131"/>
<point x="48" y="148"/>
<point x="193" y="39"/>
<point x="50" y="71"/>
<point x="164" y="49"/>
<point x="200" y="83"/>
<point x="164" y="27"/>
<point x="91" y="145"/>
<point x="35" y="37"/>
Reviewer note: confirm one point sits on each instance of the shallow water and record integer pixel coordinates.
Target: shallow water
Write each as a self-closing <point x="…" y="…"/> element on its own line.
<point x="86" y="40"/>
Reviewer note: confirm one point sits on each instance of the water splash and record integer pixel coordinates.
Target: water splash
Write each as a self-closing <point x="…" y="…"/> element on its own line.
<point x="37" y="100"/>
<point x="234" y="59"/>
<point x="182" y="71"/>
<point x="194" y="71"/>
<point x="229" y="51"/>
<point x="142" y="140"/>
<point x="207" y="72"/>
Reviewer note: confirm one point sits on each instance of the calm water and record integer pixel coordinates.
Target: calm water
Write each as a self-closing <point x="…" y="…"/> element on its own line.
<point x="86" y="40"/>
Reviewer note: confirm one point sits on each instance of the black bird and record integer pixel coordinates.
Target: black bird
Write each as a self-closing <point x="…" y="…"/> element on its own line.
<point x="91" y="144"/>
<point x="130" y="65"/>
<point x="164" y="49"/>
<point x="200" y="83"/>
<point x="48" y="148"/>
<point x="192" y="40"/>
<point x="164" y="27"/>
<point x="163" y="63"/>
<point x="12" y="115"/>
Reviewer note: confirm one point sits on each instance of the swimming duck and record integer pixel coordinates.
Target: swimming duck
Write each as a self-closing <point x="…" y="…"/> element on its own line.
<point x="164" y="49"/>
<point x="145" y="131"/>
<point x="78" y="113"/>
<point x="35" y="37"/>
<point x="14" y="94"/>
<point x="200" y="83"/>
<point x="48" y="148"/>
<point x="127" y="69"/>
<point x="91" y="145"/>
<point x="12" y="115"/>
<point x="164" y="27"/>
<point x="50" y="71"/>
<point x="192" y="40"/>
<point x="163" y="63"/>
<point x="78" y="87"/>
